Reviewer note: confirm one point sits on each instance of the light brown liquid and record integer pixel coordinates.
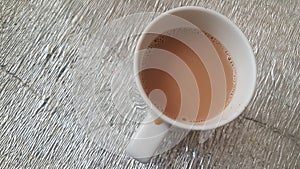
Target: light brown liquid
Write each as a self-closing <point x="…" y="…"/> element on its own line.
<point x="156" y="79"/>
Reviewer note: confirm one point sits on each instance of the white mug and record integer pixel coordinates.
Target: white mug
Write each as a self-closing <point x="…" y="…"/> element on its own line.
<point x="149" y="135"/>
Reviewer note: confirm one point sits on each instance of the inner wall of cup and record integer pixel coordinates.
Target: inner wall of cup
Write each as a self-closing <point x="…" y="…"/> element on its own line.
<point x="237" y="45"/>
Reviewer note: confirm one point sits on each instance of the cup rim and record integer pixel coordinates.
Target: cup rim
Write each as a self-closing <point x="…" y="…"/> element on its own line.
<point x="169" y="120"/>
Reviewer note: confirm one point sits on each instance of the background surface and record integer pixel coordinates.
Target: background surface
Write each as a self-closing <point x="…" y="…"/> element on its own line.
<point x="43" y="44"/>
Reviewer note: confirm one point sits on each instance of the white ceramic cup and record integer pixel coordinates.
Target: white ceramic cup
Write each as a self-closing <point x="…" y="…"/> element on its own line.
<point x="149" y="135"/>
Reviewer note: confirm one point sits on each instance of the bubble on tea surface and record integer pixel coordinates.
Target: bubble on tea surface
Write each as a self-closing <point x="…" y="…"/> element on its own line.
<point x="226" y="61"/>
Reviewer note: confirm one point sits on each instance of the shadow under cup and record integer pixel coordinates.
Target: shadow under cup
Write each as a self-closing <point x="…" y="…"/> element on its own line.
<point x="241" y="54"/>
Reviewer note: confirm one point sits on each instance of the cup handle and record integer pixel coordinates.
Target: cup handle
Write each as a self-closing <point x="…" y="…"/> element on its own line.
<point x="146" y="139"/>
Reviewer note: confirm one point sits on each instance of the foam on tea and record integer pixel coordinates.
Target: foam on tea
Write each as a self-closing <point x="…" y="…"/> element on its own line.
<point x="171" y="101"/>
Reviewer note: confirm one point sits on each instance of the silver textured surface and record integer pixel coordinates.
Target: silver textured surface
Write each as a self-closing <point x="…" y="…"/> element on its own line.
<point x="42" y="43"/>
